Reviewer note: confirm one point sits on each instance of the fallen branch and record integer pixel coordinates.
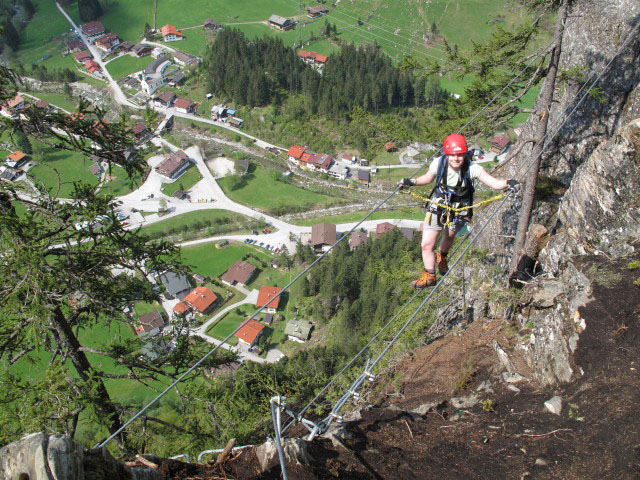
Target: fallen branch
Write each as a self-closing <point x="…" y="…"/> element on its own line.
<point x="543" y="434"/>
<point x="410" y="432"/>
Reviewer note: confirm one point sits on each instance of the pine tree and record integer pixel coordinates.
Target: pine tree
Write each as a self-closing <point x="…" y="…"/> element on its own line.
<point x="22" y="142"/>
<point x="10" y="35"/>
<point x="89" y="10"/>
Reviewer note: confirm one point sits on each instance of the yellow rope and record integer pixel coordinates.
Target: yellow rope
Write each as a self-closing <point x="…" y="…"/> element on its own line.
<point x="457" y="209"/>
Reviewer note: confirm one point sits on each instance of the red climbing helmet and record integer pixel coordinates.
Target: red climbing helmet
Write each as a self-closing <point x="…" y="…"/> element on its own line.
<point x="455" y="143"/>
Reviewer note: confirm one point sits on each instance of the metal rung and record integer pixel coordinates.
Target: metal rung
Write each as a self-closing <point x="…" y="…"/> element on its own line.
<point x="337" y="418"/>
<point x="370" y="376"/>
<point x="354" y="394"/>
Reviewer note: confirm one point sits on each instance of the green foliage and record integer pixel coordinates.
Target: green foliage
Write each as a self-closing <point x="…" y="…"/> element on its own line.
<point x="633" y="265"/>
<point x="487" y="405"/>
<point x="89" y="10"/>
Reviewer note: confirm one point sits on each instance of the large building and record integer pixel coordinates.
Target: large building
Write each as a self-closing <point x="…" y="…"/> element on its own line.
<point x="153" y="76"/>
<point x="281" y="23"/>
<point x="170" y="33"/>
<point x="323" y="235"/>
<point x="174" y="164"/>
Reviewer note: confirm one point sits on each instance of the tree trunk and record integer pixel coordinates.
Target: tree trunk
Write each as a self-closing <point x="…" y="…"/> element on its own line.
<point x="517" y="260"/>
<point x="101" y="399"/>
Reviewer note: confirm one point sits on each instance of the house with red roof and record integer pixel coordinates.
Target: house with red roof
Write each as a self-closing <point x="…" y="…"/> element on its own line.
<point x="92" y="30"/>
<point x="93" y="68"/>
<point x="180" y="308"/>
<point x="313" y="58"/>
<point x="17" y="159"/>
<point x="185" y="105"/>
<point x="267" y="298"/>
<point x="250" y="332"/>
<point x="174" y="165"/>
<point x="383" y="228"/>
<point x="200" y="299"/>
<point x="295" y="153"/>
<point x="170" y="33"/>
<point x="107" y="42"/>
<point x="16" y="104"/>
<point x="499" y="143"/>
<point x="82" y="57"/>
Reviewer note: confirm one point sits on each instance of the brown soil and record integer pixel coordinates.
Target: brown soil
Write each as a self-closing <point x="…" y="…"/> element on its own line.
<point x="509" y="434"/>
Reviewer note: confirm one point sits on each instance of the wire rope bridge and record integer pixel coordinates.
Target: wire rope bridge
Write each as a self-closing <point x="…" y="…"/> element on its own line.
<point x="278" y="404"/>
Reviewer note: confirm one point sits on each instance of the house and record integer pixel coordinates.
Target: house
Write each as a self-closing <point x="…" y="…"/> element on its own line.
<point x="499" y="143"/>
<point x="323" y="235"/>
<point x="235" y="122"/>
<point x="107" y="43"/>
<point x="348" y="158"/>
<point x="250" y="332"/>
<point x="44" y="105"/>
<point x="92" y="30"/>
<point x="93" y="68"/>
<point x="9" y="174"/>
<point x="313" y="58"/>
<point x="174" y="164"/>
<point x="295" y="153"/>
<point x="363" y="162"/>
<point x="220" y="112"/>
<point x="16" y="104"/>
<point x="158" y="52"/>
<point x="170" y="33"/>
<point x="319" y="163"/>
<point x="275" y="262"/>
<point x="281" y="23"/>
<point x="165" y="99"/>
<point x="364" y="176"/>
<point x="17" y="159"/>
<point x="357" y="239"/>
<point x="268" y="297"/>
<point x="298" y="330"/>
<point x="126" y="46"/>
<point x="176" y="284"/>
<point x="240" y="273"/>
<point x="150" y="324"/>
<point x="198" y="278"/>
<point x="96" y="169"/>
<point x="185" y="59"/>
<point x="390" y="147"/>
<point x="212" y="25"/>
<point x="177" y="79"/>
<point x="317" y="11"/>
<point x="140" y="131"/>
<point x="180" y="308"/>
<point x="75" y="45"/>
<point x="383" y="228"/>
<point x="200" y="299"/>
<point x="141" y="50"/>
<point x="153" y="76"/>
<point x="181" y="195"/>
<point x="338" y="170"/>
<point x="184" y="105"/>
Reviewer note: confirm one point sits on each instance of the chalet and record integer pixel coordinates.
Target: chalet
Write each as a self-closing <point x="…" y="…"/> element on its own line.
<point x="107" y="43"/>
<point x="16" y="104"/>
<point x="250" y="332"/>
<point x="235" y="122"/>
<point x="338" y="170"/>
<point x="180" y="308"/>
<point x="298" y="330"/>
<point x="141" y="50"/>
<point x="357" y="239"/>
<point x="317" y="11"/>
<point x="176" y="285"/>
<point x="8" y="174"/>
<point x="158" y="52"/>
<point x="165" y="99"/>
<point x="383" y="228"/>
<point x="499" y="143"/>
<point x="185" y="59"/>
<point x="268" y="298"/>
<point x="313" y="58"/>
<point x="125" y="46"/>
<point x="184" y="105"/>
<point x="174" y="164"/>
<point x="150" y="324"/>
<point x="295" y="153"/>
<point x="363" y="176"/>
<point x="281" y="23"/>
<point x="93" y="68"/>
<point x="96" y="169"/>
<point x="323" y="235"/>
<point x="17" y="159"/>
<point x="200" y="299"/>
<point x="347" y="158"/>
<point x="212" y="25"/>
<point x="92" y="30"/>
<point x="141" y="132"/>
<point x="153" y="76"/>
<point x="320" y="163"/>
<point x="75" y="45"/>
<point x="240" y="273"/>
<point x="170" y="33"/>
<point x="44" y="105"/>
<point x="177" y="79"/>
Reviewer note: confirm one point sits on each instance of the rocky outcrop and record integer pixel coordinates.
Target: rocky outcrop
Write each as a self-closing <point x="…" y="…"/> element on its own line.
<point x="40" y="456"/>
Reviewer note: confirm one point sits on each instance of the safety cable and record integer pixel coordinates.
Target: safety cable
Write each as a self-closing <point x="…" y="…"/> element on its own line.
<point x="345" y="235"/>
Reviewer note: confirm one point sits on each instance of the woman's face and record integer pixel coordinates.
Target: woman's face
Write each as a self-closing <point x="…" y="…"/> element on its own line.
<point x="455" y="160"/>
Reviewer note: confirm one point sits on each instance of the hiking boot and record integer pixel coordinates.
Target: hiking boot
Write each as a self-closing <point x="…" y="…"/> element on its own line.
<point x="426" y="280"/>
<point x="441" y="261"/>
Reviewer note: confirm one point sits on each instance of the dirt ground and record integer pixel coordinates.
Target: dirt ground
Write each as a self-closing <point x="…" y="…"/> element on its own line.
<point x="508" y="434"/>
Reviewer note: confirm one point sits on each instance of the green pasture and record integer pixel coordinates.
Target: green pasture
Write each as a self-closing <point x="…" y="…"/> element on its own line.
<point x="187" y="180"/>
<point x="386" y="158"/>
<point x="58" y="100"/>
<point x="209" y="261"/>
<point x="126" y="65"/>
<point x="227" y="324"/>
<point x="264" y="192"/>
<point x="120" y="183"/>
<point x="58" y="169"/>
<point x="400" y="212"/>
<point x="142" y="308"/>
<point x="192" y="220"/>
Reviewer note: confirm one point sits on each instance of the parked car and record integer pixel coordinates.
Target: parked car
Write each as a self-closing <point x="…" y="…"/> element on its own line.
<point x="266" y="230"/>
<point x="261" y="244"/>
<point x="267" y="246"/>
<point x="277" y="250"/>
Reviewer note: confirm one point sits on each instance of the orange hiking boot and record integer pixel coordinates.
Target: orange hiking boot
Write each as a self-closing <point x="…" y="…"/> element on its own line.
<point x="441" y="261"/>
<point x="426" y="280"/>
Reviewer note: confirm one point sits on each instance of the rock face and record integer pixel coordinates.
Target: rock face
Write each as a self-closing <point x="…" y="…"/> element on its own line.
<point x="57" y="457"/>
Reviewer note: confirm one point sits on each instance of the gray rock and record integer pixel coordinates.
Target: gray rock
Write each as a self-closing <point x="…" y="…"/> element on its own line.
<point x="554" y="405"/>
<point x="424" y="408"/>
<point x="548" y="293"/>
<point x="513" y="388"/>
<point x="465" y="402"/>
<point x="541" y="462"/>
<point x="512" y="377"/>
<point x="485" y="387"/>
<point x="503" y="356"/>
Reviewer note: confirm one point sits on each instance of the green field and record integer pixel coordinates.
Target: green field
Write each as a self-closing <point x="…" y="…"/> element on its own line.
<point x="193" y="220"/>
<point x="59" y="100"/>
<point x="187" y="180"/>
<point x="223" y="327"/>
<point x="121" y="183"/>
<point x="126" y="65"/>
<point x="58" y="169"/>
<point x="209" y="261"/>
<point x="263" y="192"/>
<point x="402" y="212"/>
